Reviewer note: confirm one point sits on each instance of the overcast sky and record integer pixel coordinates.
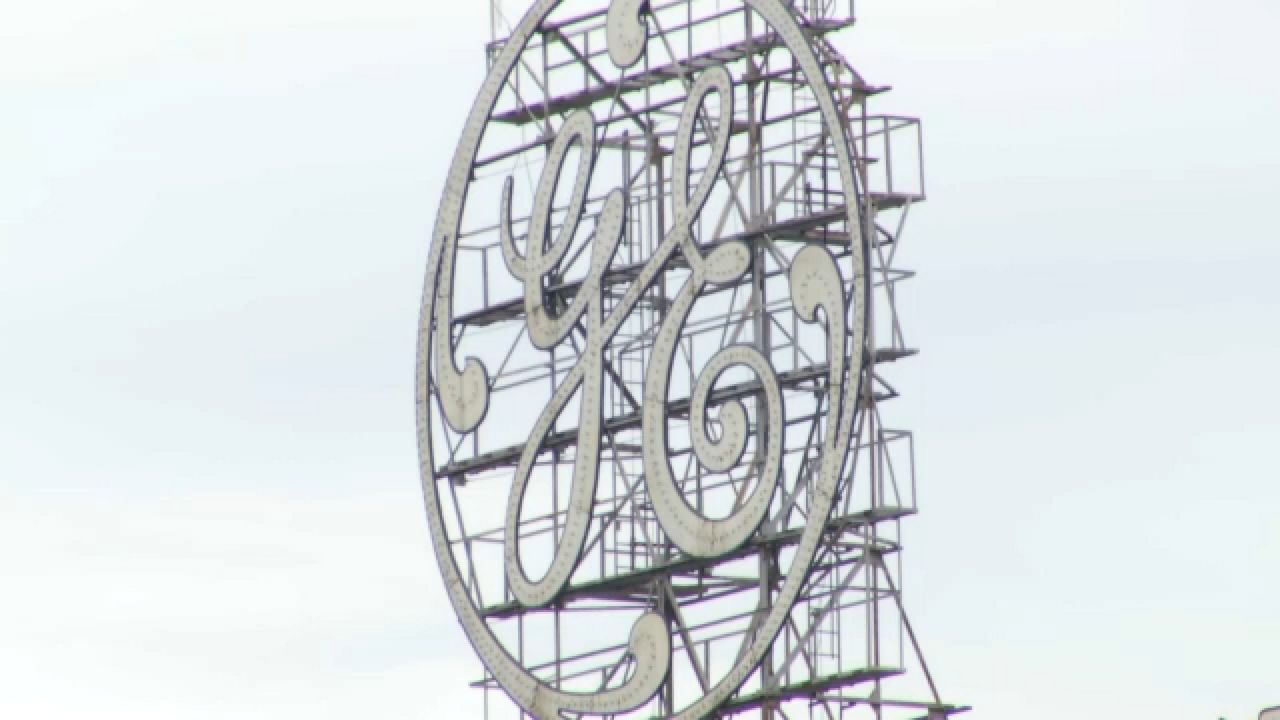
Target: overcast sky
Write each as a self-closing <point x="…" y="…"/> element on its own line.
<point x="213" y="226"/>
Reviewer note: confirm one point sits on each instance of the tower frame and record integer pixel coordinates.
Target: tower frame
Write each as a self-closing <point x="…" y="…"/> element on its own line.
<point x="846" y="640"/>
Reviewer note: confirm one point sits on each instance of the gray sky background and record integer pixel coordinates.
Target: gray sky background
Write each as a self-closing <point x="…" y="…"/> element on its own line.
<point x="213" y="226"/>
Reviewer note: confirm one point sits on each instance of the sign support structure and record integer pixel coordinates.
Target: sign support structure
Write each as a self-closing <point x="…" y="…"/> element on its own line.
<point x="655" y="368"/>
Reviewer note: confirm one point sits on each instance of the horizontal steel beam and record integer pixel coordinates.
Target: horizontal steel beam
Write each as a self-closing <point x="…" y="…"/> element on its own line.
<point x="791" y="229"/>
<point x="809" y="688"/>
<point x="758" y="45"/>
<point x="511" y="455"/>
<point x="611" y="586"/>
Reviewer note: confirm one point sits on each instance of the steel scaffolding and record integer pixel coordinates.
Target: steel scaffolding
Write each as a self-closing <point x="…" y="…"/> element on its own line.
<point x="847" y="649"/>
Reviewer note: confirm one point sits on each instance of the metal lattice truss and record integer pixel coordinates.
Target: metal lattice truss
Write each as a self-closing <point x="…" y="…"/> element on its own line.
<point x="660" y="307"/>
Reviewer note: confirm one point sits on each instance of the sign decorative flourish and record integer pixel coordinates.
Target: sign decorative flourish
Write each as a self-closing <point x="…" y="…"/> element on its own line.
<point x="724" y="432"/>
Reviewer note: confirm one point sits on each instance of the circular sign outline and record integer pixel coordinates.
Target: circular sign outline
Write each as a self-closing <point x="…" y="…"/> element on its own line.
<point x="650" y="643"/>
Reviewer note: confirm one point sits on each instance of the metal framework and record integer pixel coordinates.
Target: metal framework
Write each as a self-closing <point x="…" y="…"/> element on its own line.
<point x="659" y="323"/>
